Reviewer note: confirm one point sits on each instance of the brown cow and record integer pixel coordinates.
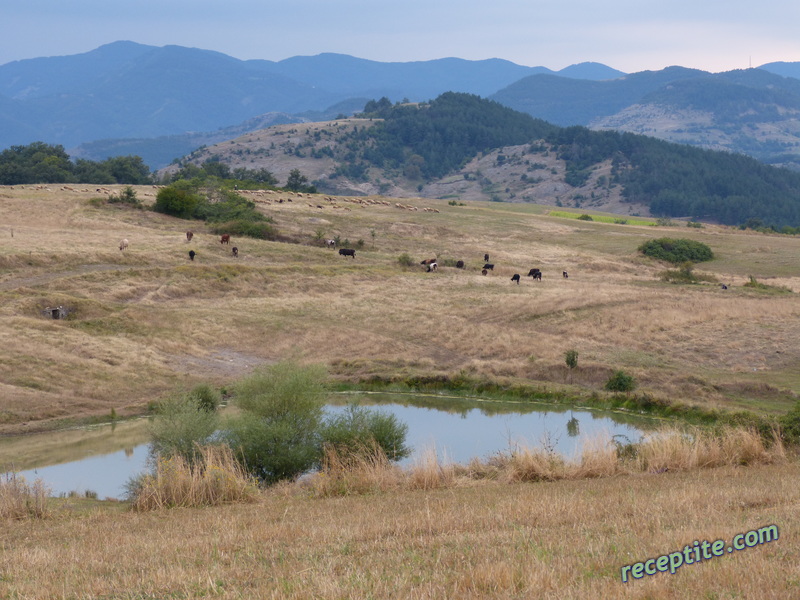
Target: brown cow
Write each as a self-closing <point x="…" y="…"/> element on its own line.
<point x="189" y="236"/>
<point x="225" y="239"/>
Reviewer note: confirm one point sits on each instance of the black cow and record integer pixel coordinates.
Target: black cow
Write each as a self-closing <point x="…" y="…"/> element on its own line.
<point x="460" y="264"/>
<point x="565" y="275"/>
<point x="724" y="287"/>
<point x="535" y="273"/>
<point x="515" y="278"/>
<point x="484" y="272"/>
<point x="235" y="252"/>
<point x="485" y="258"/>
<point x="488" y="267"/>
<point x="192" y="254"/>
<point x="347" y="252"/>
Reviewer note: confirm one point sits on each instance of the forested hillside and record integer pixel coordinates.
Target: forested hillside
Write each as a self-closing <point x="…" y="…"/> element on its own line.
<point x="413" y="147"/>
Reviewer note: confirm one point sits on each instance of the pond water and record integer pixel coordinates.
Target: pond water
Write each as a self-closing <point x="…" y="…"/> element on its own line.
<point x="102" y="459"/>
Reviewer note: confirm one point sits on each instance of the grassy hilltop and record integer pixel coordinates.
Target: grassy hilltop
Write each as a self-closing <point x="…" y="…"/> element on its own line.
<point x="147" y="321"/>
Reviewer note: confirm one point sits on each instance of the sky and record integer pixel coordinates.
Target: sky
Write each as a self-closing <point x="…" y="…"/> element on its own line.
<point x="628" y="35"/>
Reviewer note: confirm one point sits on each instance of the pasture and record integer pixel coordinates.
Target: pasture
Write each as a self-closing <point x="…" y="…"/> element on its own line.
<point x="148" y="320"/>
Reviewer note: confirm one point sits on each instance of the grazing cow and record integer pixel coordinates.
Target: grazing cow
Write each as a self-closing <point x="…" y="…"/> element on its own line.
<point x="460" y="264"/>
<point x="432" y="267"/>
<point x="428" y="261"/>
<point x="189" y="236"/>
<point x="724" y="287"/>
<point x="515" y="278"/>
<point x="225" y="239"/>
<point x="535" y="273"/>
<point x="565" y="274"/>
<point x="235" y="252"/>
<point x="347" y="252"/>
<point x="192" y="254"/>
<point x="123" y="245"/>
<point x="330" y="243"/>
<point x="488" y="267"/>
<point x="484" y="272"/>
<point x="486" y="257"/>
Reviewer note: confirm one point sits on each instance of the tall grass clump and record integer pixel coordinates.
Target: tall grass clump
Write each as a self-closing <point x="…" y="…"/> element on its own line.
<point x="354" y="471"/>
<point x="20" y="500"/>
<point x="214" y="477"/>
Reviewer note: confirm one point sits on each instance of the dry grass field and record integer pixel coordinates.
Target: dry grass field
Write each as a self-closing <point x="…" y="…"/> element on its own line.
<point x="146" y="321"/>
<point x="557" y="540"/>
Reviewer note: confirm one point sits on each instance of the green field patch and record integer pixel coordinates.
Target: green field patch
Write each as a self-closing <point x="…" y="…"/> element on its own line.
<point x="603" y="218"/>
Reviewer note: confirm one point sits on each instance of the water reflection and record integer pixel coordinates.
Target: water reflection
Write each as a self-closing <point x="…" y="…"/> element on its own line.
<point x="103" y="459"/>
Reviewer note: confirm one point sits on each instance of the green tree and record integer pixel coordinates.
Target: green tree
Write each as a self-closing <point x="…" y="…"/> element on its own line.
<point x="177" y="201"/>
<point x="297" y="182"/>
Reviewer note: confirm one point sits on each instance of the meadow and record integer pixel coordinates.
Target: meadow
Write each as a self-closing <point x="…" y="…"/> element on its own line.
<point x="147" y="322"/>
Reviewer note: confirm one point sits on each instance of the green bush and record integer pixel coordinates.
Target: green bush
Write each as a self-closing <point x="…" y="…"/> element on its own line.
<point x="260" y="230"/>
<point x="180" y="425"/>
<point x="676" y="250"/>
<point x="790" y="425"/>
<point x="571" y="358"/>
<point x="177" y="202"/>
<point x="585" y="217"/>
<point x="126" y="196"/>
<point x="620" y="381"/>
<point x="357" y="429"/>
<point x="405" y="260"/>
<point x="205" y="397"/>
<point x="276" y="435"/>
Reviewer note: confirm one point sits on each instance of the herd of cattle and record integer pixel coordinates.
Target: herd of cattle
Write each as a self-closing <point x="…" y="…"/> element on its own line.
<point x="430" y="264"/>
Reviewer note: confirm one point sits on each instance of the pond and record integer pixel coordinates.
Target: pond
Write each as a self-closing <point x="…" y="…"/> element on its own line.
<point x="103" y="458"/>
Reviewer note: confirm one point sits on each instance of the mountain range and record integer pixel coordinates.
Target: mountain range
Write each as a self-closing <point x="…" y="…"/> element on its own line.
<point x="162" y="102"/>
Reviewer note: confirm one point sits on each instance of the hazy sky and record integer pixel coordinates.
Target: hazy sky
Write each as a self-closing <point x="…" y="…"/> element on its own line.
<point x="629" y="35"/>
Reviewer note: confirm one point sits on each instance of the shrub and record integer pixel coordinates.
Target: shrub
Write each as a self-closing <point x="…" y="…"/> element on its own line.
<point x="585" y="217"/>
<point x="571" y="358"/>
<point x="620" y="381"/>
<point x="276" y="436"/>
<point x="205" y="397"/>
<point x="405" y="260"/>
<point x="179" y="426"/>
<point x="176" y="201"/>
<point x="260" y="230"/>
<point x="676" y="250"/>
<point x="126" y="196"/>
<point x="694" y="224"/>
<point x="359" y="429"/>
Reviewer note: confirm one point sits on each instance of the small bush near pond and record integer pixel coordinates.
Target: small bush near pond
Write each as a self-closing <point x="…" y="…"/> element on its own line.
<point x="676" y="250"/>
<point x="620" y="381"/>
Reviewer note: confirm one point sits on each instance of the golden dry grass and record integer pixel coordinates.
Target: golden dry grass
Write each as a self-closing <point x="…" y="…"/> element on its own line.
<point x="147" y="321"/>
<point x="566" y="539"/>
<point x="214" y="478"/>
<point x="20" y="499"/>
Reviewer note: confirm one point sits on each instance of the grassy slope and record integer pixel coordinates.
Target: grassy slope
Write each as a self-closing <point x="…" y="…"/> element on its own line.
<point x="147" y="321"/>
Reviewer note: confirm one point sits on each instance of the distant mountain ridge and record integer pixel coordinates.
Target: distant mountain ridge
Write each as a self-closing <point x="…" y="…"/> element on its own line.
<point x="130" y="90"/>
<point x="158" y="101"/>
